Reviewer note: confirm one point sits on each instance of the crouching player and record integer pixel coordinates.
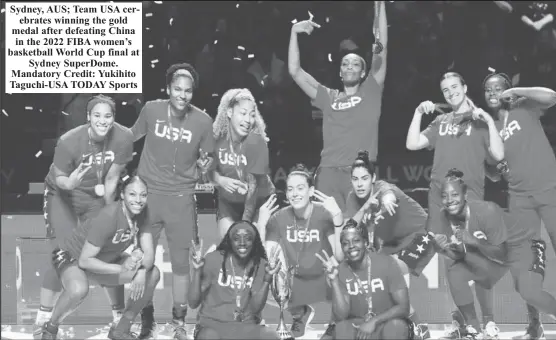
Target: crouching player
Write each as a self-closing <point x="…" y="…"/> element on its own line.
<point x="370" y="299"/>
<point x="96" y="251"/>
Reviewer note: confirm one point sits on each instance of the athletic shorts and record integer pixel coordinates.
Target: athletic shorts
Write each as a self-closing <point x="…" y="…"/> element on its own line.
<point x="235" y="330"/>
<point x="416" y="250"/>
<point x="345" y="329"/>
<point x="177" y="215"/>
<point x="307" y="291"/>
<point x="62" y="260"/>
<point x="482" y="270"/>
<point x="527" y="256"/>
<point x="234" y="210"/>
<point x="335" y="182"/>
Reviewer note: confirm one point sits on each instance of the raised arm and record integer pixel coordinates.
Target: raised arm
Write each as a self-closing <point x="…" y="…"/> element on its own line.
<point x="541" y="97"/>
<point x="380" y="30"/>
<point x="303" y="79"/>
<point x="417" y="140"/>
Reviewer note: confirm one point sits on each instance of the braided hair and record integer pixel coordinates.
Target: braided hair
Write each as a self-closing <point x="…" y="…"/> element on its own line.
<point x="352" y="225"/>
<point x="504" y="76"/>
<point x="456" y="175"/>
<point x="126" y="180"/>
<point x="258" y="251"/>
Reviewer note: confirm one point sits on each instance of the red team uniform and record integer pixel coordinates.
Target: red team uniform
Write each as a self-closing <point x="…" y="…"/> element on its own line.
<point x="300" y="241"/>
<point x="236" y="161"/>
<point x="350" y="123"/>
<point x="63" y="209"/>
<point x="169" y="167"/>
<point x="386" y="278"/>
<point x="462" y="146"/>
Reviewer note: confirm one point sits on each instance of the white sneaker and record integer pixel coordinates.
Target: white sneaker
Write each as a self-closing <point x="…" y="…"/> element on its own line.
<point x="473" y="334"/>
<point x="491" y="331"/>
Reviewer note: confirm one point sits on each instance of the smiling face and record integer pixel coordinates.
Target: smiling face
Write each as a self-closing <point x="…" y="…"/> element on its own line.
<point x="135" y="197"/>
<point x="353" y="245"/>
<point x="298" y="191"/>
<point x="242" y="238"/>
<point x="242" y="117"/>
<point x="454" y="91"/>
<point x="352" y="69"/>
<point x="453" y="198"/>
<point x="180" y="92"/>
<point x="101" y="119"/>
<point x="494" y="86"/>
<point x="362" y="182"/>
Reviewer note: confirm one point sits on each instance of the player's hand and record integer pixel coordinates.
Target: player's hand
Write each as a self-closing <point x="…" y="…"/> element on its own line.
<point x="230" y="185"/>
<point x="365" y="330"/>
<point x="274" y="264"/>
<point x="130" y="264"/>
<point x="305" y="26"/>
<point x="267" y="210"/>
<point x="204" y="162"/>
<point x="328" y="202"/>
<point x="197" y="256"/>
<point x="76" y="176"/>
<point x="426" y="107"/>
<point x="389" y="203"/>
<point x="137" y="288"/>
<point x="441" y="241"/>
<point x="377" y="217"/>
<point x="466" y="237"/>
<point x="330" y="265"/>
<point x="373" y="200"/>
<point x="508" y="95"/>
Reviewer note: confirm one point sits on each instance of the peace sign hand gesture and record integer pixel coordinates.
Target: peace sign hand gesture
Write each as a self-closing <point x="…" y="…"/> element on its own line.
<point x="76" y="176"/>
<point x="274" y="264"/>
<point x="267" y="209"/>
<point x="328" y="202"/>
<point x="330" y="265"/>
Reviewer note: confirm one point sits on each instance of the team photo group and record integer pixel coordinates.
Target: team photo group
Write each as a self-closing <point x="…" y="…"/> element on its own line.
<point x="342" y="235"/>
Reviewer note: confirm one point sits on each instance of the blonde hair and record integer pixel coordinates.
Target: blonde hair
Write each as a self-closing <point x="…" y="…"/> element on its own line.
<point x="221" y="126"/>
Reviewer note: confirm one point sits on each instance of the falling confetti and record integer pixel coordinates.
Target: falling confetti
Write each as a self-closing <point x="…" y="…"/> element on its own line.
<point x="241" y="48"/>
<point x="2" y="10"/>
<point x="124" y="103"/>
<point x="38" y="154"/>
<point x="151" y="46"/>
<point x="149" y="15"/>
<point x="330" y="57"/>
<point x="5" y="113"/>
<point x="294" y="21"/>
<point x="64" y="112"/>
<point x="215" y="94"/>
<point x="40" y="110"/>
<point x="158" y="2"/>
<point x="28" y="107"/>
<point x="237" y="5"/>
<point x="125" y="178"/>
<point x="327" y="19"/>
<point x="154" y="61"/>
<point x="161" y="90"/>
<point x="251" y="56"/>
<point x="171" y="21"/>
<point x="148" y="28"/>
<point x="134" y="153"/>
<point x="37" y="274"/>
<point x="216" y="42"/>
<point x="237" y="58"/>
<point x="153" y="66"/>
<point x="491" y="69"/>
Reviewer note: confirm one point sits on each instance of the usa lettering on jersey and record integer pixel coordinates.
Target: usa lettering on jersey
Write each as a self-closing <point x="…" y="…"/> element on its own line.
<point x="121" y="236"/>
<point x="163" y="131"/>
<point x="234" y="282"/>
<point x="348" y="104"/>
<point x="509" y="130"/>
<point x="88" y="158"/>
<point x="448" y="129"/>
<point x="302" y="236"/>
<point x="228" y="158"/>
<point x="354" y="289"/>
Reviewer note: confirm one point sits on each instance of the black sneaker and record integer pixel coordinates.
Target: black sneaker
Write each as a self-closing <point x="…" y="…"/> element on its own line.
<point x="148" y="325"/>
<point x="330" y="332"/>
<point x="116" y="334"/>
<point x="535" y="331"/>
<point x="49" y="331"/>
<point x="299" y="324"/>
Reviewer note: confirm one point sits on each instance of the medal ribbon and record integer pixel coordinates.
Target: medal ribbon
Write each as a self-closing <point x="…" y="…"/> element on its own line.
<point x="98" y="169"/>
<point x="237" y="165"/>
<point x="180" y="134"/>
<point x="239" y="290"/>
<point x="300" y="250"/>
<point x="367" y="291"/>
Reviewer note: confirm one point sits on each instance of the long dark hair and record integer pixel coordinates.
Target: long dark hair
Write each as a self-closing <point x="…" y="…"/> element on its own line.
<point x="257" y="253"/>
<point x="126" y="180"/>
<point x="363" y="161"/>
<point x="456" y="175"/>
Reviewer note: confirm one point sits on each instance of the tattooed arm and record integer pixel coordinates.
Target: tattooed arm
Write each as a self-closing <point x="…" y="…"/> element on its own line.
<point x="253" y="182"/>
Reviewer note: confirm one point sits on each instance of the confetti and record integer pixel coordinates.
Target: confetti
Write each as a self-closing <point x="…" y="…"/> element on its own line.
<point x="151" y="46"/>
<point x="154" y="61"/>
<point x="5" y="113"/>
<point x="216" y="42"/>
<point x="327" y="19"/>
<point x="491" y="69"/>
<point x="161" y="90"/>
<point x="28" y="107"/>
<point x="215" y="94"/>
<point x="125" y="178"/>
<point x="237" y="5"/>
<point x="40" y="110"/>
<point x="149" y="15"/>
<point x="38" y="154"/>
<point x="18" y="196"/>
<point x="168" y="47"/>
<point x="310" y="16"/>
<point x="241" y="48"/>
<point x="158" y="2"/>
<point x="152" y="65"/>
<point x="124" y="103"/>
<point x="134" y="153"/>
<point x="2" y="10"/>
<point x="171" y="21"/>
<point x="251" y="56"/>
<point x="237" y="58"/>
<point x="148" y="28"/>
<point x="294" y="21"/>
<point x="261" y="102"/>
<point x="330" y="57"/>
<point x="64" y="112"/>
<point x="37" y="274"/>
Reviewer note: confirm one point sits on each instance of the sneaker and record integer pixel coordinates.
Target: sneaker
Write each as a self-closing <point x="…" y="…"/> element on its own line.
<point x="37" y="331"/>
<point x="329" y="333"/>
<point x="535" y="331"/>
<point x="299" y="324"/>
<point x="453" y="331"/>
<point x="148" y="325"/>
<point x="116" y="334"/>
<point x="491" y="331"/>
<point x="180" y="332"/>
<point x="49" y="332"/>
<point x="472" y="334"/>
<point x="421" y="331"/>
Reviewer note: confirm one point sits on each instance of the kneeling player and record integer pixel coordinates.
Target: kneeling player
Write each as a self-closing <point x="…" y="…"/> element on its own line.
<point x="369" y="296"/>
<point x="96" y="251"/>
<point x="231" y="286"/>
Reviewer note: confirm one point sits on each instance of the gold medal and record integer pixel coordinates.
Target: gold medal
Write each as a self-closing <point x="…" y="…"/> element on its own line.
<point x="99" y="190"/>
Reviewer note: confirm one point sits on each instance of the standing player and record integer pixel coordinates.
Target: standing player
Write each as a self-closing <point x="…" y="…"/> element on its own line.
<point x="96" y="251"/>
<point x="231" y="286"/>
<point x="482" y="248"/>
<point x="464" y="138"/>
<point x="532" y="189"/>
<point x="301" y="230"/>
<point x="351" y="116"/>
<point x="175" y="132"/>
<point x="400" y="227"/>
<point x="84" y="174"/>
<point x="242" y="167"/>
<point x="369" y="295"/>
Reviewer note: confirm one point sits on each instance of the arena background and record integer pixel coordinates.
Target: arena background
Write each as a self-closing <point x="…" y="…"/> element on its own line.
<point x="425" y="40"/>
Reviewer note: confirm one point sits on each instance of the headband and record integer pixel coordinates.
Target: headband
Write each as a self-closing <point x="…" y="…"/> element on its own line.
<point x="101" y="99"/>
<point x="183" y="72"/>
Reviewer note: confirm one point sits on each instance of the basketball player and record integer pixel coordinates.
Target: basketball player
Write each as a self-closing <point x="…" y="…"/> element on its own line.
<point x="369" y="295"/>
<point x="95" y="251"/>
<point x="351" y="116"/>
<point x="482" y="247"/>
<point x="231" y="286"/>
<point x="532" y="189"/>
<point x="242" y="167"/>
<point x="88" y="161"/>
<point x="302" y="229"/>
<point x="175" y="132"/>
<point x="464" y="138"/>
<point x="400" y="227"/>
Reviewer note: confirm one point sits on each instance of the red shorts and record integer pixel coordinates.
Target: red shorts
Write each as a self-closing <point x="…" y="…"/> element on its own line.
<point x="345" y="329"/>
<point x="335" y="182"/>
<point x="480" y="269"/>
<point x="177" y="215"/>
<point x="234" y="210"/>
<point x="309" y="291"/>
<point x="526" y="213"/>
<point x="233" y="330"/>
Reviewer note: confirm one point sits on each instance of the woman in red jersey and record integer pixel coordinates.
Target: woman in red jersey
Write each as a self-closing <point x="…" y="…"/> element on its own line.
<point x="302" y="229"/>
<point x="231" y="286"/>
<point x="532" y="189"/>
<point x="83" y="177"/>
<point x="242" y="164"/>
<point x="369" y="296"/>
<point x="351" y="116"/>
<point x="95" y="251"/>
